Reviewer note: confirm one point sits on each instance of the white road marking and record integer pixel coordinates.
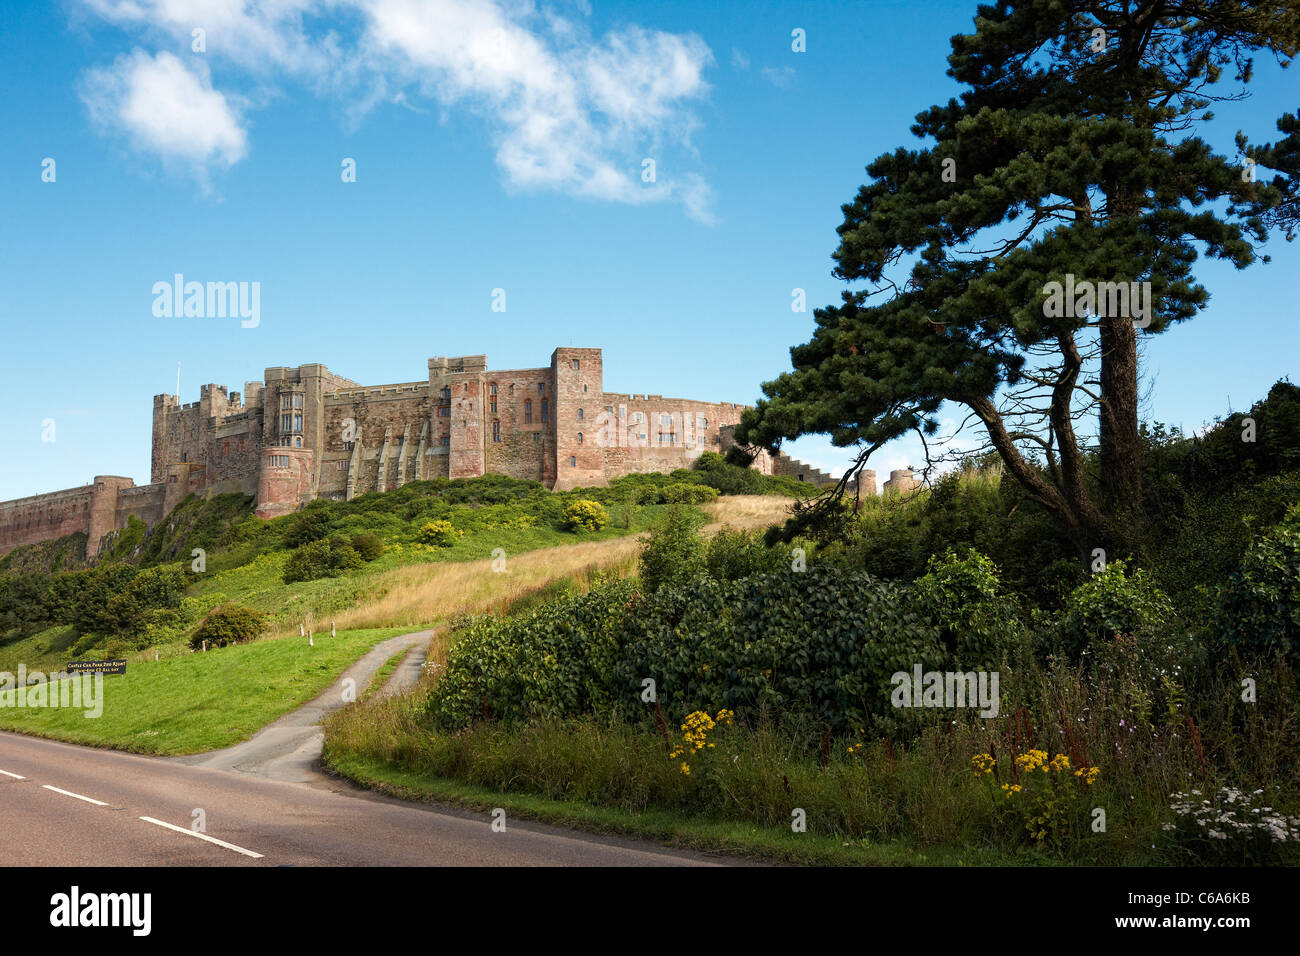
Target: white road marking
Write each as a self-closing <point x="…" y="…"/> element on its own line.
<point x="14" y="775"/>
<point x="69" y="793"/>
<point x="202" y="836"/>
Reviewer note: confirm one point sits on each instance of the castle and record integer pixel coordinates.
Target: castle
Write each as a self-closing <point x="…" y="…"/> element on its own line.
<point x="304" y="433"/>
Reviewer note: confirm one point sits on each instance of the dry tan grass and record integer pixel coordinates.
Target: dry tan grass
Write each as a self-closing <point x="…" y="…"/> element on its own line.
<point x="747" y="512"/>
<point x="421" y="594"/>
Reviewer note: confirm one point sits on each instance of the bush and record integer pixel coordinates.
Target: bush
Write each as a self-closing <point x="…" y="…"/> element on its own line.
<point x="683" y="493"/>
<point x="154" y="589"/>
<point x="731" y="555"/>
<point x="322" y="559"/>
<point x="312" y="525"/>
<point x="674" y="552"/>
<point x="1259" y="607"/>
<point x="369" y="546"/>
<point x="438" y="533"/>
<point x="229" y="624"/>
<point x="585" y="515"/>
<point x="977" y="622"/>
<point x="1114" y="602"/>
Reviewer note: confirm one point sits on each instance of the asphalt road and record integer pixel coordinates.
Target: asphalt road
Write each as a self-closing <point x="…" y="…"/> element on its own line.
<point x="263" y="803"/>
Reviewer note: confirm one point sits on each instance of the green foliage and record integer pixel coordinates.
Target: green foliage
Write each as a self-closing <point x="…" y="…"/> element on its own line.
<point x="550" y="662"/>
<point x="1114" y="602"/>
<point x="1041" y="116"/>
<point x="197" y="522"/>
<point x="151" y="591"/>
<point x="731" y="555"/>
<point x="229" y="624"/>
<point x="321" y="559"/>
<point x="585" y="515"/>
<point x="369" y="546"/>
<point x="438" y="533"/>
<point x="1259" y="607"/>
<point x="127" y="539"/>
<point x="978" y="622"/>
<point x="674" y="551"/>
<point x="313" y="524"/>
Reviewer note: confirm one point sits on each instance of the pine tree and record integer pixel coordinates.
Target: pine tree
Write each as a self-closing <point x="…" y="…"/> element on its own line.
<point x="1068" y="160"/>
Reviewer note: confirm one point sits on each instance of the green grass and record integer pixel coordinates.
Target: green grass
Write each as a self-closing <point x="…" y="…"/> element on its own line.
<point x="202" y="701"/>
<point x="382" y="675"/>
<point x="671" y="828"/>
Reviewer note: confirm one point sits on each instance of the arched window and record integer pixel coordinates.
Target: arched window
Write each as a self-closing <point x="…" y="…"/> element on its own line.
<point x="573" y="462"/>
<point x="528" y="411"/>
<point x="579" y="438"/>
<point x="580" y="414"/>
<point x="496" y="428"/>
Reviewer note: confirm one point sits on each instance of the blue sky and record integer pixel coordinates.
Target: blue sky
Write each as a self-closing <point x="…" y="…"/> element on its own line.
<point x="497" y="145"/>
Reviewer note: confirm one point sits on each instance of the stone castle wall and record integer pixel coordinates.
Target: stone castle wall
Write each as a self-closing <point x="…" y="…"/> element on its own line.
<point x="306" y="432"/>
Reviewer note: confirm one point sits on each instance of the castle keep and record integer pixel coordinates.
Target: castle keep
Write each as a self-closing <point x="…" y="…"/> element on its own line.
<point x="305" y="433"/>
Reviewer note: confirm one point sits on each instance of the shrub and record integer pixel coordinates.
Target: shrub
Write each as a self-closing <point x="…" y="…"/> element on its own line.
<point x="312" y="525"/>
<point x="674" y="552"/>
<point x="1259" y="607"/>
<point x="322" y="559"/>
<point x="684" y="493"/>
<point x="731" y="555"/>
<point x="964" y="598"/>
<point x="153" y="589"/>
<point x="585" y="515"/>
<point x="1114" y="602"/>
<point x="438" y="533"/>
<point x="229" y="624"/>
<point x="369" y="546"/>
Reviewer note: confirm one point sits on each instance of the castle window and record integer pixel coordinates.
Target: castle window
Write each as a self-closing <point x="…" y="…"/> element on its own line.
<point x="446" y="441"/>
<point x="341" y="464"/>
<point x="512" y="388"/>
<point x="575" y="363"/>
<point x="528" y="411"/>
<point x="493" y="388"/>
<point x="573" y="462"/>
<point x="347" y="445"/>
<point x="496" y="430"/>
<point x="493" y="407"/>
<point x="445" y="394"/>
<point x="298" y="442"/>
<point x="541" y="387"/>
<point x="537" y="436"/>
<point x="290" y="401"/>
<point x="579" y="438"/>
<point x="444" y="411"/>
<point x="580" y="414"/>
<point x="584" y="388"/>
<point x="279" y="461"/>
<point x="545" y="406"/>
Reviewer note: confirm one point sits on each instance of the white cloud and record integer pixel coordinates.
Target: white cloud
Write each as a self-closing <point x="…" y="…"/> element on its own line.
<point x="167" y="108"/>
<point x="782" y="77"/>
<point x="564" y="110"/>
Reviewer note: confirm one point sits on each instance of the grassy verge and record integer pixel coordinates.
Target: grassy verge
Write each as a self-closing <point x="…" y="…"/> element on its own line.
<point x="672" y="829"/>
<point x="867" y="806"/>
<point x="202" y="701"/>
